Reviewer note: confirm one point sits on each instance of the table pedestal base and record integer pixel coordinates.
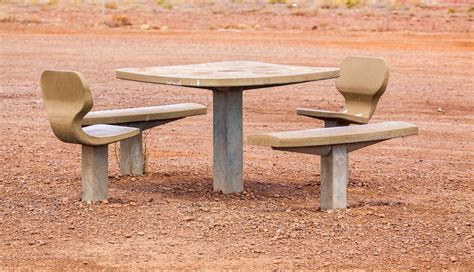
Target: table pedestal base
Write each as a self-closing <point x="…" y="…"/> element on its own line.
<point x="228" y="150"/>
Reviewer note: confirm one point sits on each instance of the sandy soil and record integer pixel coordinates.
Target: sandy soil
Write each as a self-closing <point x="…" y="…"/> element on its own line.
<point x="410" y="199"/>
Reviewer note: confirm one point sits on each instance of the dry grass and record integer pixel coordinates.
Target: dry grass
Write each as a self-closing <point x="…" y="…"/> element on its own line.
<point x="277" y="2"/>
<point x="8" y="18"/>
<point x="117" y="20"/>
<point x="11" y="18"/>
<point x="111" y="5"/>
<point x="32" y="19"/>
<point x="164" y="4"/>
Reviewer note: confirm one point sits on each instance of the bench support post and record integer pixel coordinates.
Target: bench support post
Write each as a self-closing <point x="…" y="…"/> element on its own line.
<point x="228" y="153"/>
<point x="335" y="123"/>
<point x="94" y="173"/>
<point x="131" y="156"/>
<point x="334" y="178"/>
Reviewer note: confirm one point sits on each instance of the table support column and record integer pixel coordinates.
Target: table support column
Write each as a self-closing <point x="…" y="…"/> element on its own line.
<point x="228" y="150"/>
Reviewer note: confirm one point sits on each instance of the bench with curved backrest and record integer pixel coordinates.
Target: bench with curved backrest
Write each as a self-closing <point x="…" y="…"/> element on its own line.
<point x="143" y="118"/>
<point x="362" y="82"/>
<point x="333" y="145"/>
<point x="68" y="101"/>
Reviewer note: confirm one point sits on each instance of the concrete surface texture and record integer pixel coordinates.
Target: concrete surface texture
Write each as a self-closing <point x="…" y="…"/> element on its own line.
<point x="362" y="82"/>
<point x="334" y="160"/>
<point x="335" y="135"/>
<point x="228" y="80"/>
<point x="227" y="74"/>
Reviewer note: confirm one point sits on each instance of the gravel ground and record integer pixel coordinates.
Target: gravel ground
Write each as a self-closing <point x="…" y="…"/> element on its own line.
<point x="410" y="200"/>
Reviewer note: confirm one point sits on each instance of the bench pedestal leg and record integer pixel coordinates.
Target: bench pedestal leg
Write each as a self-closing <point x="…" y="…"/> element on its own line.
<point x="228" y="152"/>
<point x="333" y="123"/>
<point x="94" y="173"/>
<point x="131" y="156"/>
<point x="334" y="178"/>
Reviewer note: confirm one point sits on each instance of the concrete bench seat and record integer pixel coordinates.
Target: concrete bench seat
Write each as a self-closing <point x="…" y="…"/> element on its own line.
<point x="333" y="117"/>
<point x="333" y="145"/>
<point x="109" y="133"/>
<point x="143" y="114"/>
<point x="68" y="101"/>
<point x="143" y="118"/>
<point x="362" y="82"/>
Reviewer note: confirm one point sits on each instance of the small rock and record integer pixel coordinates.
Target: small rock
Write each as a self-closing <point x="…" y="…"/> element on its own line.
<point x="145" y="27"/>
<point x="141" y="233"/>
<point x="453" y="259"/>
<point x="188" y="218"/>
<point x="128" y="235"/>
<point x="31" y="243"/>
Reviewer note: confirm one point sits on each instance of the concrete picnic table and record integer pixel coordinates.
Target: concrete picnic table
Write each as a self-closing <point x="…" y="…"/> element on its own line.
<point x="227" y="80"/>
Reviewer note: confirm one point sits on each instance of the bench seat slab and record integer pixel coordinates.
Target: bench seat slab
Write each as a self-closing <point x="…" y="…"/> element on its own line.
<point x="340" y="117"/>
<point x="333" y="145"/>
<point x="143" y="114"/>
<point x="335" y="135"/>
<point x="106" y="134"/>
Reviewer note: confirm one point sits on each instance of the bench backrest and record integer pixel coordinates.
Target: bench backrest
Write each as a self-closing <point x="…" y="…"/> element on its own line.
<point x="67" y="99"/>
<point x="362" y="82"/>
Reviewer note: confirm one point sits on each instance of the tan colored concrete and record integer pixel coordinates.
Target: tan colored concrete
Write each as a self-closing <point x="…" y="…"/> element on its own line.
<point x="227" y="74"/>
<point x="144" y="114"/>
<point x="338" y="117"/>
<point x="228" y="80"/>
<point x="334" y="135"/>
<point x="67" y="99"/>
<point x="94" y="181"/>
<point x="333" y="145"/>
<point x="362" y="82"/>
<point x="334" y="178"/>
<point x="131" y="156"/>
<point x="228" y="158"/>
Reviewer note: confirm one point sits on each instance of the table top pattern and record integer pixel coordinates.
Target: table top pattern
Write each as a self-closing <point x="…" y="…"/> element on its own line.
<point x="227" y="74"/>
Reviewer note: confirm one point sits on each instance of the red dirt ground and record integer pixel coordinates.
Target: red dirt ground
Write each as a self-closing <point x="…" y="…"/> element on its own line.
<point x="410" y="200"/>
